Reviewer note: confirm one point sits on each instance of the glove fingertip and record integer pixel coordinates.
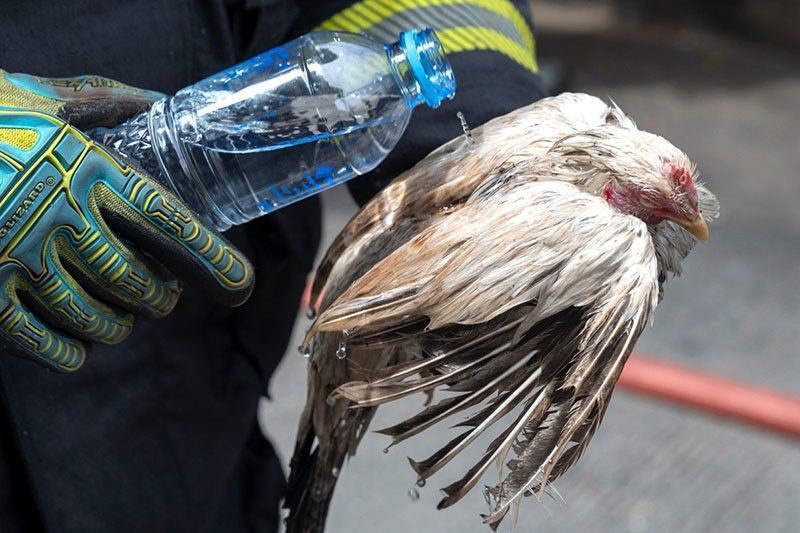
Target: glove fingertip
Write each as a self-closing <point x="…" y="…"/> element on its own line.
<point x="234" y="274"/>
<point x="63" y="355"/>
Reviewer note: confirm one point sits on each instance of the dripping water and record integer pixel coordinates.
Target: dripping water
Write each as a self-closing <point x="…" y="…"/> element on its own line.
<point x="341" y="351"/>
<point x="305" y="351"/>
<point x="470" y="140"/>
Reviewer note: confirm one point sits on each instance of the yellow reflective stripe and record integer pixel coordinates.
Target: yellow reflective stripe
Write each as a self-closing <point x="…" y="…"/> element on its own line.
<point x="476" y="38"/>
<point x="349" y="21"/>
<point x="366" y="14"/>
<point x="379" y="10"/>
<point x="336" y="23"/>
<point x="456" y="41"/>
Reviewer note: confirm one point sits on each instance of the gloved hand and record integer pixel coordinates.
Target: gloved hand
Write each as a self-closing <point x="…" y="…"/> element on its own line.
<point x="86" y="240"/>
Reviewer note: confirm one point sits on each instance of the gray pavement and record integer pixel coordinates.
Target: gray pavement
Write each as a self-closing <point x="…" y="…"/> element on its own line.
<point x="735" y="108"/>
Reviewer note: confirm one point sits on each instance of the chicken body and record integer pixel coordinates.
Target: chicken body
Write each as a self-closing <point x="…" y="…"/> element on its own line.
<point x="515" y="275"/>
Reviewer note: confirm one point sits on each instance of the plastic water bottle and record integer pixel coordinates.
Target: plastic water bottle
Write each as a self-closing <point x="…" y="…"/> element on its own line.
<point x="286" y="124"/>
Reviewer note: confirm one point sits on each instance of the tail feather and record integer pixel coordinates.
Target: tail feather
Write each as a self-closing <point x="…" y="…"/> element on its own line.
<point x="309" y="495"/>
<point x="328" y="432"/>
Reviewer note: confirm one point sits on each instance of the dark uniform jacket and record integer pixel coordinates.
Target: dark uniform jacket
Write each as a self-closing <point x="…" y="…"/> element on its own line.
<point x="160" y="433"/>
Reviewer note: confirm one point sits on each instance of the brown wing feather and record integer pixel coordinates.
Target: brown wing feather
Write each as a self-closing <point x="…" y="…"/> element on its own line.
<point x="441" y="182"/>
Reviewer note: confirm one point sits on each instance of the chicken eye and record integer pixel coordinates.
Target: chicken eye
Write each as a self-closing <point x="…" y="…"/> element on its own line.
<point x="647" y="202"/>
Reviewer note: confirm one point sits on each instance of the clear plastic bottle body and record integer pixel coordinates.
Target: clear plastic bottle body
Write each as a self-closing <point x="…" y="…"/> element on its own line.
<point x="288" y="123"/>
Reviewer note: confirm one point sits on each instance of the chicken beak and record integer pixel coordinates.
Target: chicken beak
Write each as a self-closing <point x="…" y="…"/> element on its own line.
<point x="696" y="227"/>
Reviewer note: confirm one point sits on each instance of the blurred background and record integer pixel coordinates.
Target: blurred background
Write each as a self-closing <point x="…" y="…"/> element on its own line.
<point x="722" y="81"/>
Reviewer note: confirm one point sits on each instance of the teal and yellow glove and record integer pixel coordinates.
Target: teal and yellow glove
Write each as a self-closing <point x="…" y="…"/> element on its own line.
<point x="86" y="240"/>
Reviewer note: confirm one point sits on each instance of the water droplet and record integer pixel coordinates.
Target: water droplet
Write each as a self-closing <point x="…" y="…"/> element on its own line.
<point x="341" y="351"/>
<point x="421" y="482"/>
<point x="386" y="450"/>
<point x="305" y="350"/>
<point x="347" y="332"/>
<point x="335" y="472"/>
<point x="413" y="494"/>
<point x="311" y="313"/>
<point x="470" y="140"/>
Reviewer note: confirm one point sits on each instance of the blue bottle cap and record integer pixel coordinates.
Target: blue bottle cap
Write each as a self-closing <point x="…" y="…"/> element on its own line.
<point x="429" y="64"/>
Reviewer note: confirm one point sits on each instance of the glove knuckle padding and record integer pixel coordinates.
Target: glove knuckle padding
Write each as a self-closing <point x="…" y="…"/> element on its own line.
<point x="21" y="331"/>
<point x="96" y="261"/>
<point x="62" y="198"/>
<point x="149" y="215"/>
<point x="60" y="297"/>
<point x="107" y="263"/>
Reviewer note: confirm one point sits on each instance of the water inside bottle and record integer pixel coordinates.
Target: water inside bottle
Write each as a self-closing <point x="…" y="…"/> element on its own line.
<point x="300" y="169"/>
<point x="316" y="174"/>
<point x="270" y="121"/>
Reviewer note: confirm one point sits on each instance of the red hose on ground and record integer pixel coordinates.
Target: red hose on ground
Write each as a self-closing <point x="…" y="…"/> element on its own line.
<point x="758" y="406"/>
